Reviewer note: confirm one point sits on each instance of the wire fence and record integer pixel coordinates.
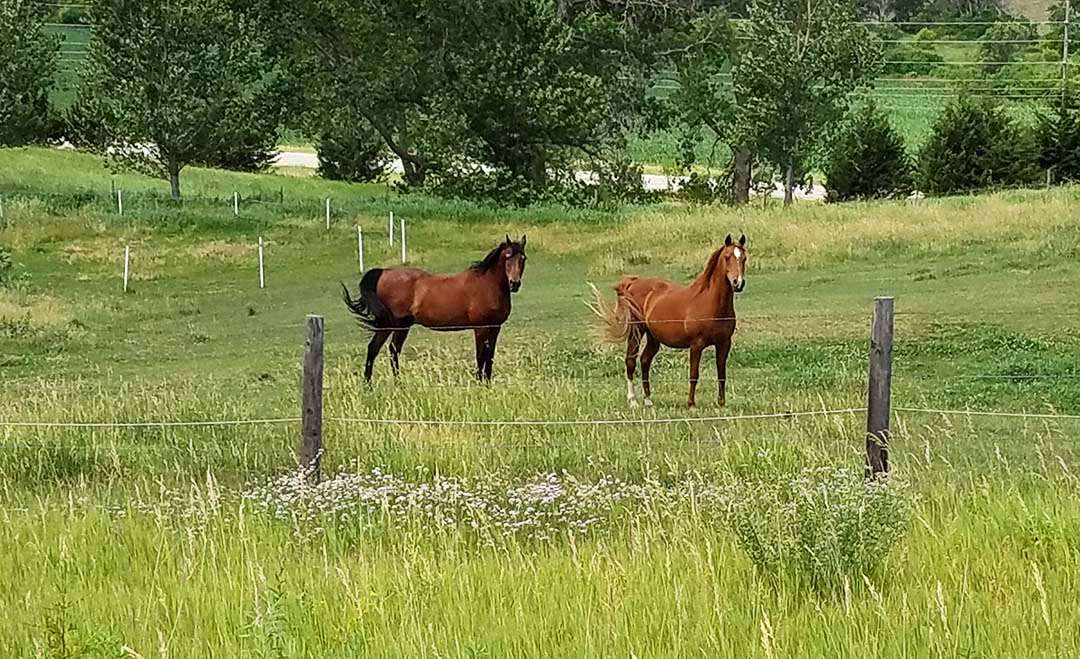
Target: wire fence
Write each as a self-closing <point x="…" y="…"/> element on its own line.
<point x="510" y="423"/>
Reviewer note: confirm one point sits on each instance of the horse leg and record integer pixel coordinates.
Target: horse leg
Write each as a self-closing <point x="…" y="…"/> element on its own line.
<point x="722" y="350"/>
<point x="483" y="347"/>
<point x="396" y="345"/>
<point x="493" y="339"/>
<point x="695" y="369"/>
<point x="652" y="346"/>
<point x="378" y="338"/>
<point x="633" y="347"/>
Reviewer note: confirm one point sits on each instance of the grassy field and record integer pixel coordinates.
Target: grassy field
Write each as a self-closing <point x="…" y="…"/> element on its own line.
<point x="715" y="538"/>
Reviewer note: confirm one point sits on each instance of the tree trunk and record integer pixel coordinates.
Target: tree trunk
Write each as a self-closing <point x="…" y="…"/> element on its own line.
<point x="789" y="184"/>
<point x="741" y="184"/>
<point x="538" y="168"/>
<point x="412" y="172"/>
<point x="174" y="179"/>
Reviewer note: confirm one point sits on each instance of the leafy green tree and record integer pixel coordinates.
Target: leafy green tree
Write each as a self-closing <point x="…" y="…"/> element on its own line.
<point x="175" y="83"/>
<point x="868" y="160"/>
<point x="974" y="145"/>
<point x="386" y="63"/>
<point x="27" y="71"/>
<point x="792" y="79"/>
<point x="475" y="97"/>
<point x="702" y="55"/>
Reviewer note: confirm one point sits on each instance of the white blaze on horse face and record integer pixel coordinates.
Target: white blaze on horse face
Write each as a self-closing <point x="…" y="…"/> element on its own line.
<point x="630" y="392"/>
<point x="738" y="253"/>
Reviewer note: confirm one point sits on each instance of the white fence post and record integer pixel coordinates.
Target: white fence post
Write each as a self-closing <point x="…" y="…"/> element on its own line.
<point x="403" y="259"/>
<point x="328" y="213"/>
<point x="360" y="247"/>
<point x="127" y="268"/>
<point x="236" y="203"/>
<point x="262" y="276"/>
<point x="3" y="222"/>
<point x="120" y="202"/>
<point x="391" y="228"/>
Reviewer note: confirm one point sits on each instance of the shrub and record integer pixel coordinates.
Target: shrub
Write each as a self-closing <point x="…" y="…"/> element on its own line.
<point x="248" y="135"/>
<point x="1003" y="42"/>
<point x="912" y="58"/>
<point x="618" y="182"/>
<point x="7" y="266"/>
<point x="1057" y="133"/>
<point x="973" y="145"/>
<point x="869" y="160"/>
<point x="352" y="153"/>
<point x="820" y="528"/>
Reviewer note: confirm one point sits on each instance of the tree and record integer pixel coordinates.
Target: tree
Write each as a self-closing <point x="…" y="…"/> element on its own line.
<point x="1057" y="133"/>
<point x="475" y="97"/>
<point x="27" y="77"/>
<point x="1055" y="36"/>
<point x="174" y="83"/>
<point x="385" y="63"/>
<point x="888" y="10"/>
<point x="702" y="56"/>
<point x="973" y="145"/>
<point x="868" y="160"/>
<point x="802" y="61"/>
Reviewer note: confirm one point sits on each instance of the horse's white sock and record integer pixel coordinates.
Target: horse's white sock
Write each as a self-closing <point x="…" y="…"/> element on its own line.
<point x="630" y="393"/>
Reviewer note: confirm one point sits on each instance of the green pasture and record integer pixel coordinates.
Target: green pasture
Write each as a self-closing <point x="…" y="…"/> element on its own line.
<point x="139" y="541"/>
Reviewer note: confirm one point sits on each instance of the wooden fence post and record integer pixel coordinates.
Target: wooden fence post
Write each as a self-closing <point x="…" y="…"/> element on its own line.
<point x="880" y="388"/>
<point x="311" y="393"/>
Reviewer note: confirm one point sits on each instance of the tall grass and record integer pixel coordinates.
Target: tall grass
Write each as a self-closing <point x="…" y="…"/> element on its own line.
<point x="731" y="538"/>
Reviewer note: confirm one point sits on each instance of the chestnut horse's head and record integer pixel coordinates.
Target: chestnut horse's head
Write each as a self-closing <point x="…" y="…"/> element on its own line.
<point x="513" y="255"/>
<point x="733" y="261"/>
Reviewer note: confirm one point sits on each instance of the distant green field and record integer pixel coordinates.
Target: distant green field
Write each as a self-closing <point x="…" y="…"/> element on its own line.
<point x="601" y="540"/>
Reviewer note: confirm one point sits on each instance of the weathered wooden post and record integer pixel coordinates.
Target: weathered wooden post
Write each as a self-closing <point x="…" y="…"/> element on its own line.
<point x="311" y="393"/>
<point x="880" y="386"/>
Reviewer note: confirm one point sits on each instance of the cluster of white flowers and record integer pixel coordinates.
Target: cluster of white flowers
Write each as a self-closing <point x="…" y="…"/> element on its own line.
<point x="540" y="507"/>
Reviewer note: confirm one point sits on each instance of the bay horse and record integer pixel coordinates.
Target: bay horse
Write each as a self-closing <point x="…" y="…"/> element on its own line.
<point x="392" y="300"/>
<point x="697" y="317"/>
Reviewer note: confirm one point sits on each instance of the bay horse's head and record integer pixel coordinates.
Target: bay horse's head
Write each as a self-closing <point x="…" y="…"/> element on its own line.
<point x="509" y="258"/>
<point x="513" y="255"/>
<point x="733" y="262"/>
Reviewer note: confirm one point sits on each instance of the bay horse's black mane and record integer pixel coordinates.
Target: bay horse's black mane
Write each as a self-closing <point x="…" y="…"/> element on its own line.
<point x="492" y="258"/>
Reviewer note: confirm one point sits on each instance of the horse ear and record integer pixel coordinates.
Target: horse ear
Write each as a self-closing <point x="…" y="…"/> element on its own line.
<point x="728" y="241"/>
<point x="742" y="240"/>
<point x="523" y="238"/>
<point x="508" y="241"/>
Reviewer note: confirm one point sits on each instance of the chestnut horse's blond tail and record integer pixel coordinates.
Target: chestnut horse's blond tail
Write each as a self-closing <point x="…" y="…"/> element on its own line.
<point x="616" y="322"/>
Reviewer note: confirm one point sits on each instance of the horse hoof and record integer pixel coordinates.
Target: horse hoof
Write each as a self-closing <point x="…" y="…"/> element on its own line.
<point x="692" y="407"/>
<point x="648" y="402"/>
<point x="633" y="404"/>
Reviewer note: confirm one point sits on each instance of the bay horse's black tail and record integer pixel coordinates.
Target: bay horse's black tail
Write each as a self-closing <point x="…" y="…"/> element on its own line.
<point x="367" y="307"/>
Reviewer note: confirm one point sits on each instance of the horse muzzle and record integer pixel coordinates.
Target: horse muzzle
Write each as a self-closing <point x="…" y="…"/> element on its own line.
<point x="740" y="286"/>
<point x="515" y="286"/>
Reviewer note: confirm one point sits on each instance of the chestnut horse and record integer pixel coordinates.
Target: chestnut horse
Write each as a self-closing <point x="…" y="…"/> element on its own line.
<point x="697" y="317"/>
<point x="392" y="300"/>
